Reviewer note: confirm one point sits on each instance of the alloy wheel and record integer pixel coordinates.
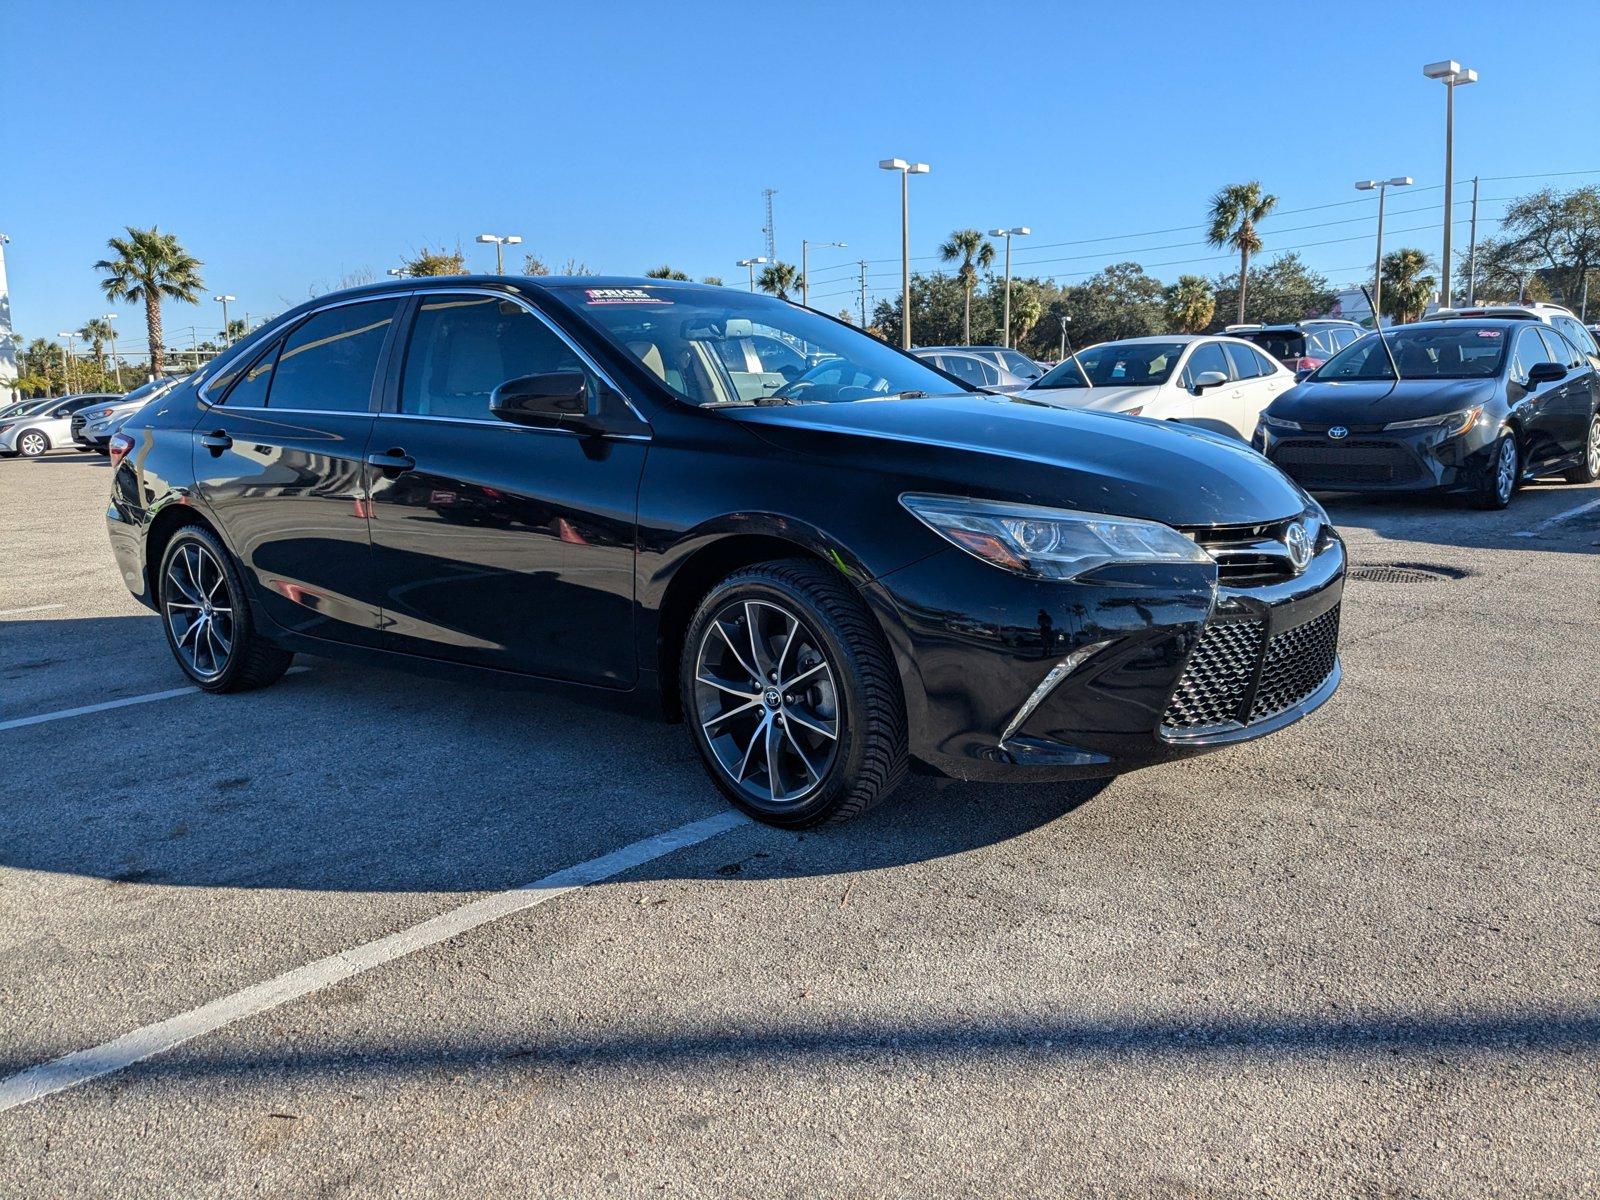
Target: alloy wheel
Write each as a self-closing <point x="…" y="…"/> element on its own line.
<point x="1593" y="449"/>
<point x="767" y="701"/>
<point x="199" y="610"/>
<point x="1506" y="470"/>
<point x="32" y="444"/>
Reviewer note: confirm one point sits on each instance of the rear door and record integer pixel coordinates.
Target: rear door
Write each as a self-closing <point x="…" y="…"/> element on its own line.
<point x="1572" y="400"/>
<point x="280" y="462"/>
<point x="1252" y="389"/>
<point x="1536" y="407"/>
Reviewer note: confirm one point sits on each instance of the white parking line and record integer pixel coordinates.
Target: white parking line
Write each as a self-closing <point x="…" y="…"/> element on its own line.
<point x="17" y="612"/>
<point x="83" y="1065"/>
<point x="1557" y="519"/>
<point x="63" y="714"/>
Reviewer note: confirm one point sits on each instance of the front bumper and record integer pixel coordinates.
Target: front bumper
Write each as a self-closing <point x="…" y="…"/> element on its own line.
<point x="974" y="644"/>
<point x="1368" y="459"/>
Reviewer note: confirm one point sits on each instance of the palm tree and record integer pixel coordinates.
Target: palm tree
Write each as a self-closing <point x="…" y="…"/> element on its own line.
<point x="778" y="279"/>
<point x="664" y="272"/>
<point x="148" y="266"/>
<point x="1191" y="303"/>
<point x="1406" y="290"/>
<point x="1235" y="212"/>
<point x="974" y="251"/>
<point x="236" y="329"/>
<point x="97" y="332"/>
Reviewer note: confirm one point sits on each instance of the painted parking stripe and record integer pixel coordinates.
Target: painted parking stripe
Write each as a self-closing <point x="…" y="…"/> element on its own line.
<point x="81" y="1066"/>
<point x="17" y="612"/>
<point x="63" y="714"/>
<point x="1548" y="522"/>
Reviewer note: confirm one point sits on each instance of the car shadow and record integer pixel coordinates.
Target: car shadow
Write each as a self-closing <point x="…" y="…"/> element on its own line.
<point x="1449" y="523"/>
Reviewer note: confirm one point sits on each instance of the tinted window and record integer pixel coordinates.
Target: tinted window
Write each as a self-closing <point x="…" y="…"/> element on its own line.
<point x="1244" y="362"/>
<point x="328" y="362"/>
<point x="251" y="385"/>
<point x="1577" y="334"/>
<point x="1280" y="343"/>
<point x="1207" y="356"/>
<point x="463" y="347"/>
<point x="969" y="369"/>
<point x="1453" y="350"/>
<point x="775" y="356"/>
<point x="1561" y="350"/>
<point x="1529" y="351"/>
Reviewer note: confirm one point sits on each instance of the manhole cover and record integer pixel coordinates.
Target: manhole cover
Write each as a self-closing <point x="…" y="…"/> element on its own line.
<point x="1406" y="573"/>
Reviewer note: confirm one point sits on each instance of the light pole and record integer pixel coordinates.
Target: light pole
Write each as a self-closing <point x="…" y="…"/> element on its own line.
<point x="223" y="300"/>
<point x="1381" y="186"/>
<point x="500" y="243"/>
<point x="115" y="364"/>
<point x="66" y="362"/>
<point x="753" y="263"/>
<point x="805" y="271"/>
<point x="1452" y="75"/>
<point x="907" y="170"/>
<point x="8" y="354"/>
<point x="1008" y="234"/>
<point x="398" y="272"/>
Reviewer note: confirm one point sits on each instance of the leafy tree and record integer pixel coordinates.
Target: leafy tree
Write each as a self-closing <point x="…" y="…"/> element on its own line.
<point x="1406" y="289"/>
<point x="236" y="329"/>
<point x="664" y="272"/>
<point x="938" y="309"/>
<point x="845" y="315"/>
<point x="436" y="262"/>
<point x="147" y="266"/>
<point x="1119" y="302"/>
<point x="1190" y="304"/>
<point x="778" y="279"/>
<point x="1282" y="291"/>
<point x="714" y="280"/>
<point x="1027" y="306"/>
<point x="1235" y="212"/>
<point x="1506" y="268"/>
<point x="974" y="251"/>
<point x="1560" y="233"/>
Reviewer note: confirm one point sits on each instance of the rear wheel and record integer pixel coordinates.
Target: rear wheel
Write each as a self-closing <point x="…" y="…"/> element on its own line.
<point x="31" y="443"/>
<point x="1589" y="469"/>
<point x="207" y="618"/>
<point x="1500" y="480"/>
<point x="792" y="696"/>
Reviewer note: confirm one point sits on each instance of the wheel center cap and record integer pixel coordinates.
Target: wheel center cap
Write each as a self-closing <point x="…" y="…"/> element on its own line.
<point x="771" y="698"/>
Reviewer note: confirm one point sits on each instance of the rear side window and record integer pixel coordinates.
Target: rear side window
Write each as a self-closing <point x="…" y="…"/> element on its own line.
<point x="1207" y="356"/>
<point x="329" y="361"/>
<point x="1561" y="350"/>
<point x="1577" y="334"/>
<point x="251" y="385"/>
<point x="1245" y="364"/>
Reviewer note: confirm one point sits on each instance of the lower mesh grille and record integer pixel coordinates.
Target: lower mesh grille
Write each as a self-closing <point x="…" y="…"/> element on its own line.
<point x="1358" y="461"/>
<point x="1217" y="683"/>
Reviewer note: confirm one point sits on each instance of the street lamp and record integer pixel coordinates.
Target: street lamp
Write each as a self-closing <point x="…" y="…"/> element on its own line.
<point x="223" y="300"/>
<point x="1452" y="75"/>
<point x="399" y="272"/>
<point x="805" y="272"/>
<point x="753" y="263"/>
<point x="500" y="243"/>
<point x="66" y="361"/>
<point x="906" y="169"/>
<point x="115" y="364"/>
<point x="1381" y="186"/>
<point x="1008" y="234"/>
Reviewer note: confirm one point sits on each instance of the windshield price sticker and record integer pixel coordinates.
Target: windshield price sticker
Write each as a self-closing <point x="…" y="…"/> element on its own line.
<point x="622" y="295"/>
<point x="1491" y="333"/>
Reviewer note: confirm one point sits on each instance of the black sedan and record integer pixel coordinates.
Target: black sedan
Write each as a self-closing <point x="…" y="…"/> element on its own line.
<point x="1461" y="406"/>
<point x="833" y="575"/>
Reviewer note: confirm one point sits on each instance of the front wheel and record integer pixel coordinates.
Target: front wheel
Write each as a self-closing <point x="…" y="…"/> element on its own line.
<point x="792" y="696"/>
<point x="1500" y="480"/>
<point x="1589" y="469"/>
<point x="31" y="443"/>
<point x="207" y="617"/>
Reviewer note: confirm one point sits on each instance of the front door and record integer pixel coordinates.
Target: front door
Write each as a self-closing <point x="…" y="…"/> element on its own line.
<point x="497" y="544"/>
<point x="280" y="462"/>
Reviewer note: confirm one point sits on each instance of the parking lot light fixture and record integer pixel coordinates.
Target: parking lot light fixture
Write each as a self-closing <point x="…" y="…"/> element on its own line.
<point x="66" y="361"/>
<point x="1008" y="234"/>
<point x="223" y="300"/>
<point x="111" y="319"/>
<point x="805" y="271"/>
<point x="906" y="169"/>
<point x="399" y="272"/>
<point x="753" y="263"/>
<point x="500" y="242"/>
<point x="1453" y="75"/>
<point x="1381" y="186"/>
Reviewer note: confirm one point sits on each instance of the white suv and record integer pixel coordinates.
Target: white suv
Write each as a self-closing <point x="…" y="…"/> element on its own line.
<point x="1551" y="314"/>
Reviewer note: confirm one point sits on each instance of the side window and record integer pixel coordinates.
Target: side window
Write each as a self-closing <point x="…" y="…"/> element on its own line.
<point x="1244" y="362"/>
<point x="965" y="368"/>
<point x="1207" y="356"/>
<point x="329" y="360"/>
<point x="251" y="385"/>
<point x="1527" y="350"/>
<point x="1264" y="364"/>
<point x="463" y="347"/>
<point x="1561" y="350"/>
<point x="775" y="356"/>
<point x="1577" y="335"/>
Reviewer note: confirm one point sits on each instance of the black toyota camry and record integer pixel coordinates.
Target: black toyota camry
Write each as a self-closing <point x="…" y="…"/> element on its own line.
<point x="831" y="560"/>
<point x="1462" y="406"/>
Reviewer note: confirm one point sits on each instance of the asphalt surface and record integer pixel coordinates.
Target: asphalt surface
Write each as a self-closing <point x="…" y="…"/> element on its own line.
<point x="1358" y="958"/>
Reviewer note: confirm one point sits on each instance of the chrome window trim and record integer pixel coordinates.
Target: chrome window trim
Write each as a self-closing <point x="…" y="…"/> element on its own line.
<point x="496" y="423"/>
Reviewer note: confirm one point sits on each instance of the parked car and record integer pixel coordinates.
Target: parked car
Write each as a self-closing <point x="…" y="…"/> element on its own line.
<point x="45" y="426"/>
<point x="1216" y="383"/>
<point x="93" y="426"/>
<point x="1479" y="406"/>
<point x="969" y="368"/>
<point x="1553" y="315"/>
<point x="1304" y="345"/>
<point x="1007" y="359"/>
<point x="863" y="569"/>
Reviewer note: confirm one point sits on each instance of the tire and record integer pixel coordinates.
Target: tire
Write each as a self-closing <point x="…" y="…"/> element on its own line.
<point x="1588" y="470"/>
<point x="197" y="572"/>
<point x="749" y="728"/>
<point x="1502" y="476"/>
<point x="31" y="443"/>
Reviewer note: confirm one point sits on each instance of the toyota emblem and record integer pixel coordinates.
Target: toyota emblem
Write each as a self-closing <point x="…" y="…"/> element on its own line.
<point x="1298" y="542"/>
<point x="1338" y="433"/>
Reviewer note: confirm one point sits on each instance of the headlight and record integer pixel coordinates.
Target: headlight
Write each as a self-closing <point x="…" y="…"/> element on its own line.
<point x="104" y="412"/>
<point x="1134" y="411"/>
<point x="1048" y="543"/>
<point x="1278" y="422"/>
<point x="6" y="425"/>
<point x="1451" y="424"/>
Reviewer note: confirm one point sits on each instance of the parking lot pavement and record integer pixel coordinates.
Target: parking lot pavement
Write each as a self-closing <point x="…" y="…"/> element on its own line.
<point x="1356" y="958"/>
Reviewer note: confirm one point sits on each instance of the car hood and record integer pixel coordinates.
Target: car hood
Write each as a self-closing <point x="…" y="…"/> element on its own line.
<point x="1007" y="448"/>
<point x="1100" y="399"/>
<point x="1370" y="403"/>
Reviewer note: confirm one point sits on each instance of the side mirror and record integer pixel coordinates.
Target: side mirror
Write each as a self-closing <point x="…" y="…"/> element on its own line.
<point x="556" y="400"/>
<point x="1208" y="379"/>
<point x="1545" y="372"/>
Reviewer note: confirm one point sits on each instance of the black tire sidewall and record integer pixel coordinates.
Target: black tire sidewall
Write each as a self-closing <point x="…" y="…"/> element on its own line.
<point x="243" y="626"/>
<point x="755" y="584"/>
<point x="24" y="434"/>
<point x="1489" y="493"/>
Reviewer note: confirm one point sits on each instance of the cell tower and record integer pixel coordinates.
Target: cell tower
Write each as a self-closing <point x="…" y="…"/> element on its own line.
<point x="767" y="229"/>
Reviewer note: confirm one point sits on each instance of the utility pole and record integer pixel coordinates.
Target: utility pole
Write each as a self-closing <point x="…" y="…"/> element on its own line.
<point x="1472" y="249"/>
<point x="862" y="263"/>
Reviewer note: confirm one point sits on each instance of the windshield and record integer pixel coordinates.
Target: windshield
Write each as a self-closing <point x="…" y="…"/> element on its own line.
<point x="1116" y="364"/>
<point x="1456" y="351"/>
<point x="721" y="346"/>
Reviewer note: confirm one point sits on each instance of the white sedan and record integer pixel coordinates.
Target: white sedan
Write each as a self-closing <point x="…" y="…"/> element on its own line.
<point x="1216" y="383"/>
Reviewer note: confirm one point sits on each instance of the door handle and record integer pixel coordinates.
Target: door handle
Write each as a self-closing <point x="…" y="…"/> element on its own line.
<point x="216" y="441"/>
<point x="393" y="459"/>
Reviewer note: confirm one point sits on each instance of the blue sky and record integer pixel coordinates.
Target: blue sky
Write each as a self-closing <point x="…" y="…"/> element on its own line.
<point x="292" y="145"/>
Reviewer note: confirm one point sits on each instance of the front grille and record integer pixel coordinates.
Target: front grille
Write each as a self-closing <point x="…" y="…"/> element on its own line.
<point x="1239" y="561"/>
<point x="1233" y="679"/>
<point x="1354" y="461"/>
<point x="78" y="422"/>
